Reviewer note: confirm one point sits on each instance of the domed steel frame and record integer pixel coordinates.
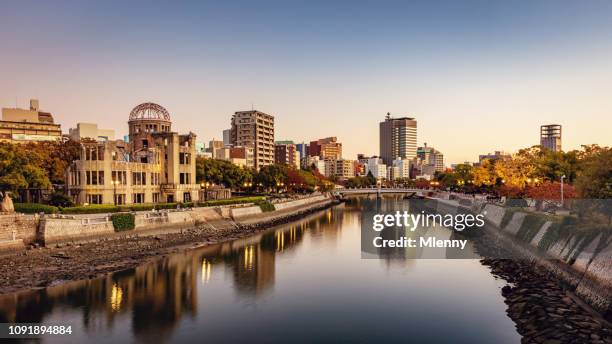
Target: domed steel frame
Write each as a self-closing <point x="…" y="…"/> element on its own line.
<point x="149" y="111"/>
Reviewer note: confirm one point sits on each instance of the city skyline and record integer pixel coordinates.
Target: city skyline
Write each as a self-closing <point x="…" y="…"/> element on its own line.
<point x="331" y="71"/>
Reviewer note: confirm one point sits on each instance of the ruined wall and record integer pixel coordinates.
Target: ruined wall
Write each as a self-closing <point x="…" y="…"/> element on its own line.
<point x="59" y="229"/>
<point x="24" y="226"/>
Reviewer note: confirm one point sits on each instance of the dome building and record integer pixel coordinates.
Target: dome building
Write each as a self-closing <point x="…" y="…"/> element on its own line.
<point x="157" y="165"/>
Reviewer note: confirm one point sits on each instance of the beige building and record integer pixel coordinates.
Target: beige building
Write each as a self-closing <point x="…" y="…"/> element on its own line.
<point x="157" y="165"/>
<point x="254" y="129"/>
<point x="28" y="125"/>
<point x="344" y="169"/>
<point x="91" y="131"/>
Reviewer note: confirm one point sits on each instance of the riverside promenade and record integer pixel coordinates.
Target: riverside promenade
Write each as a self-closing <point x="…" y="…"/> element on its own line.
<point x="18" y="231"/>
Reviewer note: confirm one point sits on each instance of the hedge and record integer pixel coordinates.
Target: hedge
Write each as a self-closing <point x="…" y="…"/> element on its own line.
<point x="235" y="200"/>
<point x="35" y="208"/>
<point x="92" y="209"/>
<point x="266" y="206"/>
<point x="123" y="222"/>
<point x="109" y="208"/>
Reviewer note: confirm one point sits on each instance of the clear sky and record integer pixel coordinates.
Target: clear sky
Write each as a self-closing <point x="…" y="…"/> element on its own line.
<point x="478" y="76"/>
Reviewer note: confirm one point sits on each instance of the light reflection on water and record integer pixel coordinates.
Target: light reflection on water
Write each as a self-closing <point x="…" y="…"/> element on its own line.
<point x="300" y="282"/>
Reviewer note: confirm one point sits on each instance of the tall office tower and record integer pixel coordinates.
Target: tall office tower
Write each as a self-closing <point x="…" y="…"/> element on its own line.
<point x="550" y="137"/>
<point x="327" y="148"/>
<point x="398" y="138"/>
<point x="254" y="129"/>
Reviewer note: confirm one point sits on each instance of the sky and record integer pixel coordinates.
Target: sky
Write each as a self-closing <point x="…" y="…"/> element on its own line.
<point x="478" y="76"/>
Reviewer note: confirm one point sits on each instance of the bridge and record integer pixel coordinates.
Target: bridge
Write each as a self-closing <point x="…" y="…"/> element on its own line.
<point x="410" y="192"/>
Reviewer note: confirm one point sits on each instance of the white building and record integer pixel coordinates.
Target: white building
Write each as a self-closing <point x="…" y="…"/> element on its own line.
<point x="403" y="168"/>
<point x="377" y="168"/>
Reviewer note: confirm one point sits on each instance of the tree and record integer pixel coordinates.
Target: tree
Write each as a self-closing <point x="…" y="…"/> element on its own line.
<point x="594" y="178"/>
<point x="270" y="176"/>
<point x="221" y="172"/>
<point x="484" y="174"/>
<point x="551" y="191"/>
<point x="20" y="168"/>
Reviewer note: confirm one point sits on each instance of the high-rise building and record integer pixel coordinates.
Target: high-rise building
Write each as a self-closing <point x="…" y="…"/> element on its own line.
<point x="430" y="156"/>
<point x="550" y="137"/>
<point x="28" y="125"/>
<point x="398" y="138"/>
<point x="285" y="152"/>
<point x="254" y="129"/>
<point x="326" y="148"/>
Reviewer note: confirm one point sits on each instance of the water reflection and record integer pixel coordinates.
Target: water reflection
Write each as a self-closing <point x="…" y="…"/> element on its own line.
<point x="158" y="294"/>
<point x="307" y="271"/>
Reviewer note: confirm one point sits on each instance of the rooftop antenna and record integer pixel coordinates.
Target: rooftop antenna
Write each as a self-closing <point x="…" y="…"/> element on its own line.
<point x="388" y="115"/>
<point x="252" y="106"/>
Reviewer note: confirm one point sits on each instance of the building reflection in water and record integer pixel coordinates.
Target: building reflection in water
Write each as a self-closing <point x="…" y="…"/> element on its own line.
<point x="157" y="295"/>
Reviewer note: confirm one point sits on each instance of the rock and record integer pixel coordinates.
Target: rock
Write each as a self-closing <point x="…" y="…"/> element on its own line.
<point x="6" y="206"/>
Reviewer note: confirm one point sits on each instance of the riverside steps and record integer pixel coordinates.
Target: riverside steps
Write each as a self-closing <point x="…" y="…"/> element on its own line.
<point x="580" y="260"/>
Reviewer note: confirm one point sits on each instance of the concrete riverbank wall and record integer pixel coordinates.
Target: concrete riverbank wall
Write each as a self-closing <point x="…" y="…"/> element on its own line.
<point x="582" y="258"/>
<point x="18" y="230"/>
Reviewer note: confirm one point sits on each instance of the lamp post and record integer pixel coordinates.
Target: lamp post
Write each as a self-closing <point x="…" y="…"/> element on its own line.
<point x="562" y="178"/>
<point x="205" y="185"/>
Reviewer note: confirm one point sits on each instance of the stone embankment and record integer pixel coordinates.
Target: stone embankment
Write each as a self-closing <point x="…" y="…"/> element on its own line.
<point x="19" y="230"/>
<point x="559" y="280"/>
<point x="88" y="248"/>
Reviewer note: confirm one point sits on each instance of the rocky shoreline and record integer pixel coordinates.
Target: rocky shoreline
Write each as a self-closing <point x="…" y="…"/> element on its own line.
<point x="543" y="310"/>
<point x="542" y="306"/>
<point x="43" y="267"/>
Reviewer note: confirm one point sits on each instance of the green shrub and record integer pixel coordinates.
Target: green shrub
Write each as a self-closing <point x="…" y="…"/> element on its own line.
<point x="123" y="221"/>
<point x="266" y="206"/>
<point x="60" y="199"/>
<point x="35" y="208"/>
<point x="235" y="200"/>
<point x="92" y="209"/>
<point x="166" y="206"/>
<point x="138" y="207"/>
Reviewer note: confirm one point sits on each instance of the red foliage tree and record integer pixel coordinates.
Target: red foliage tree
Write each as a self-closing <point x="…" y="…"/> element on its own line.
<point x="511" y="191"/>
<point x="551" y="191"/>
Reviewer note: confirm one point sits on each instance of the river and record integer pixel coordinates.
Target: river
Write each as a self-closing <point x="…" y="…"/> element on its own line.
<point x="304" y="281"/>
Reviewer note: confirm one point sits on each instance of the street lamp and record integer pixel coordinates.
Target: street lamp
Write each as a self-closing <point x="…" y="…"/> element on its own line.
<point x="562" y="178"/>
<point x="205" y="186"/>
